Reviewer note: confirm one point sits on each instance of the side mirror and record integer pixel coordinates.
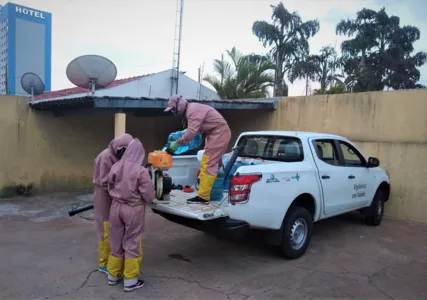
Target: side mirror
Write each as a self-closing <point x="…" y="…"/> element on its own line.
<point x="373" y="162"/>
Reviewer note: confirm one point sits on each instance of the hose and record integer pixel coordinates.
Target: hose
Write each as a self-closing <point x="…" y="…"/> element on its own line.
<point x="79" y="210"/>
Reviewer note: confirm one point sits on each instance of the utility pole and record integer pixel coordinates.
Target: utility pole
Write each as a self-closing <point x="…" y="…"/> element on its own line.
<point x="177" y="47"/>
<point x="199" y="81"/>
<point x="222" y="65"/>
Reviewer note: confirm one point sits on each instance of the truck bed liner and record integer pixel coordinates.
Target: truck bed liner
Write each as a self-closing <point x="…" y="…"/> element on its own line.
<point x="178" y="206"/>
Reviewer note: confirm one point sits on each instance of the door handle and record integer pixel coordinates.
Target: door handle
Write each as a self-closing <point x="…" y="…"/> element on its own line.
<point x="326" y="177"/>
<point x="351" y="177"/>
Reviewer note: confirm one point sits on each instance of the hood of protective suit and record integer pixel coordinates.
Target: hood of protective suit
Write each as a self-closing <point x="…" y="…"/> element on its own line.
<point x="135" y="152"/>
<point x="176" y="104"/>
<point x="127" y="176"/>
<point x="120" y="142"/>
<point x="105" y="160"/>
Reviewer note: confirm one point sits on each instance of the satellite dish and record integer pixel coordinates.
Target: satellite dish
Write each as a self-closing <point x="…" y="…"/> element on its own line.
<point x="32" y="84"/>
<point x="91" y="72"/>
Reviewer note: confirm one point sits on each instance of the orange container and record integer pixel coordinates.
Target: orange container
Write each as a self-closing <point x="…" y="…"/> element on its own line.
<point x="160" y="159"/>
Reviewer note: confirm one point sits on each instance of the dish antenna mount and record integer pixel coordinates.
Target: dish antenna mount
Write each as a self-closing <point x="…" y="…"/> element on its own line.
<point x="91" y="72"/>
<point x="32" y="84"/>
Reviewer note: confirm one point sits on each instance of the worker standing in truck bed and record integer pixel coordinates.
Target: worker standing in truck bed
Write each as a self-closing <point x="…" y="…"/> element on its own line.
<point x="201" y="117"/>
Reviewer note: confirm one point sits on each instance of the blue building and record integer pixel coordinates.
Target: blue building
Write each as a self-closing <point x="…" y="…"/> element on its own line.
<point x="25" y="46"/>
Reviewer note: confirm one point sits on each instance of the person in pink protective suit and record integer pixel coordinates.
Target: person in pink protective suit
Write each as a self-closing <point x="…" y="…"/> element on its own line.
<point x="101" y="199"/>
<point x="200" y="117"/>
<point x="131" y="188"/>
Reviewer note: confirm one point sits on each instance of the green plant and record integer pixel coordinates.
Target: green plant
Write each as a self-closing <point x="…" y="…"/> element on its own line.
<point x="17" y="190"/>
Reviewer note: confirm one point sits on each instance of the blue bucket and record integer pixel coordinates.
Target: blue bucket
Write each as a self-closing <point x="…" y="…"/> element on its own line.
<point x="217" y="192"/>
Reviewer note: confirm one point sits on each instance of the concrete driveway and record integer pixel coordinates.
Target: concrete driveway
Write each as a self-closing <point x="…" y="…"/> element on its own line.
<point x="47" y="255"/>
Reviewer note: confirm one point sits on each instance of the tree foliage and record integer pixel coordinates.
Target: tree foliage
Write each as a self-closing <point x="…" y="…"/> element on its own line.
<point x="379" y="52"/>
<point x="324" y="68"/>
<point x="242" y="76"/>
<point x="287" y="36"/>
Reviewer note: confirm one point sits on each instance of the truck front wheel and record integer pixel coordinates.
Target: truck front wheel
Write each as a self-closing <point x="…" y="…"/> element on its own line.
<point x="375" y="212"/>
<point x="296" y="229"/>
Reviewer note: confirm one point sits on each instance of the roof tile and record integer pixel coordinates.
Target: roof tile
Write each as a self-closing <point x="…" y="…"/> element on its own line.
<point x="79" y="90"/>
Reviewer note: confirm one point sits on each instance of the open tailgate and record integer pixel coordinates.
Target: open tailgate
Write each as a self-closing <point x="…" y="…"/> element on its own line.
<point x="178" y="206"/>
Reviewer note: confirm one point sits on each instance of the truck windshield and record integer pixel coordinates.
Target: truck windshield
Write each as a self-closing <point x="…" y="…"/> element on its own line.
<point x="272" y="147"/>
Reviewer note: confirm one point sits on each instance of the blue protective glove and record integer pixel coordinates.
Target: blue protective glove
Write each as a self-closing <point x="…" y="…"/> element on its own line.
<point x="173" y="146"/>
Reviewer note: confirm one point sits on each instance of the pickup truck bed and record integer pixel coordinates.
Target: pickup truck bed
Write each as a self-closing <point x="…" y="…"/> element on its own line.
<point x="213" y="218"/>
<point x="178" y="206"/>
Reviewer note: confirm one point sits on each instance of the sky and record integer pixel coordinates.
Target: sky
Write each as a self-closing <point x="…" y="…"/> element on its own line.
<point x="138" y="35"/>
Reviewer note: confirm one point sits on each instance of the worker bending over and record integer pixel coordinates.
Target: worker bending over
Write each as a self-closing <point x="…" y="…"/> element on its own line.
<point x="131" y="188"/>
<point x="200" y="117"/>
<point x="101" y="199"/>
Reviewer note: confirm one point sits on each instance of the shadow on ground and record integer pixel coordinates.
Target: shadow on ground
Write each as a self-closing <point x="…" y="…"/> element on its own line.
<point x="47" y="255"/>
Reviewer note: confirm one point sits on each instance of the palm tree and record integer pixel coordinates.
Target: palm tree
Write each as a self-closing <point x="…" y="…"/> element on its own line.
<point x="288" y="35"/>
<point x="324" y="68"/>
<point x="329" y="68"/>
<point x="245" y="76"/>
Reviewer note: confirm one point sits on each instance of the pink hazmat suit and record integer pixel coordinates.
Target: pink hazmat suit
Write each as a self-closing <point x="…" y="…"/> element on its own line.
<point x="101" y="199"/>
<point x="201" y="117"/>
<point x="131" y="188"/>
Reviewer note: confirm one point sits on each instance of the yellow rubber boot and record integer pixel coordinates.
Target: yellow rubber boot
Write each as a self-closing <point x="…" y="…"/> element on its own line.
<point x="104" y="250"/>
<point x="115" y="269"/>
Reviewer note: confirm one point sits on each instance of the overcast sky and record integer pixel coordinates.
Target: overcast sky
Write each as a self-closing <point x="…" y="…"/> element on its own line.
<point x="138" y="35"/>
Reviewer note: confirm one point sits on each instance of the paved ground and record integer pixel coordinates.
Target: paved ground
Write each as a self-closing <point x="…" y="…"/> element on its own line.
<point x="47" y="255"/>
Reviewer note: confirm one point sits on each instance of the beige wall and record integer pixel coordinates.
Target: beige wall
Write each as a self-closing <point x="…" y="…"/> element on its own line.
<point x="389" y="125"/>
<point x="58" y="152"/>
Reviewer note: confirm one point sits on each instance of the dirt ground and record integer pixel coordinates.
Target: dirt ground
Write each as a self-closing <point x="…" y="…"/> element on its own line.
<point x="47" y="255"/>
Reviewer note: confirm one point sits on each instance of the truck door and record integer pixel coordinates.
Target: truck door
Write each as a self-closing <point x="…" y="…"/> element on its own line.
<point x="332" y="179"/>
<point x="360" y="178"/>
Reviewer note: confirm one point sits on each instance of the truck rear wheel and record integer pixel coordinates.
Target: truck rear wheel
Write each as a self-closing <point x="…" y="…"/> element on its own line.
<point x="296" y="229"/>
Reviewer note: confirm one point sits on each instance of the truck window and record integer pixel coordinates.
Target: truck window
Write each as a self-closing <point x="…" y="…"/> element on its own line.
<point x="327" y="152"/>
<point x="271" y="147"/>
<point x="352" y="157"/>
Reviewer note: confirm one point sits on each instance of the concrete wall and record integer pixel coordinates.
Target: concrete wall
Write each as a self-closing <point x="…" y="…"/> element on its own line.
<point x="57" y="153"/>
<point x="389" y="125"/>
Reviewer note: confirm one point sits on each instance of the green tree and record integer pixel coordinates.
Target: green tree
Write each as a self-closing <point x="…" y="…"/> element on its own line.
<point x="379" y="53"/>
<point x="242" y="76"/>
<point x="324" y="68"/>
<point x="288" y="36"/>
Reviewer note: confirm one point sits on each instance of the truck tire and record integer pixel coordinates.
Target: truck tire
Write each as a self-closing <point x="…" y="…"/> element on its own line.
<point x="374" y="214"/>
<point x="296" y="232"/>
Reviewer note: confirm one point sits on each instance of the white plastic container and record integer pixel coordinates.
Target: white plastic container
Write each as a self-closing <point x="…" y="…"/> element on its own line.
<point x="184" y="170"/>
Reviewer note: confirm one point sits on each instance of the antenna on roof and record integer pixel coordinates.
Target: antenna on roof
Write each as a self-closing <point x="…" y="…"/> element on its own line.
<point x="32" y="84"/>
<point x="91" y="72"/>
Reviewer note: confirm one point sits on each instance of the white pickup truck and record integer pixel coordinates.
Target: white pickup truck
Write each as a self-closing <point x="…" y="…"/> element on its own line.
<point x="303" y="177"/>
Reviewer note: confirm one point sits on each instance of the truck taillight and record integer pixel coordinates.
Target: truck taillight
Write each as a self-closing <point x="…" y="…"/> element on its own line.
<point x="240" y="187"/>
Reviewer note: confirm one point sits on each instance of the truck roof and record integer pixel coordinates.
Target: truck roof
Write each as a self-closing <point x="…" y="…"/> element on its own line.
<point x="301" y="134"/>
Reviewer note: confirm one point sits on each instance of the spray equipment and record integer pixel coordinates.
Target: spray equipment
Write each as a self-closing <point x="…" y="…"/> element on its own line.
<point x="79" y="210"/>
<point x="158" y="163"/>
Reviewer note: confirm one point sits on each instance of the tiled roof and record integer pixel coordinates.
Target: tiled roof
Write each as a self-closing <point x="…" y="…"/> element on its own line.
<point x="79" y="90"/>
